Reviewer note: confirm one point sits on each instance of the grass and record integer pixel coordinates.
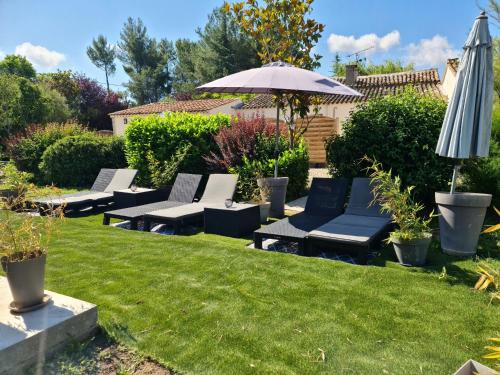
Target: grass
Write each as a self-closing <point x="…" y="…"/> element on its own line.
<point x="207" y="304"/>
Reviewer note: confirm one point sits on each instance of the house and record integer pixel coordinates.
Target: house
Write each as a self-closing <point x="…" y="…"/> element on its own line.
<point x="121" y="118"/>
<point x="334" y="109"/>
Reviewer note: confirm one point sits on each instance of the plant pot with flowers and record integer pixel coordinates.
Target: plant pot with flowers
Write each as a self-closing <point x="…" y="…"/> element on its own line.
<point x="24" y="239"/>
<point x="412" y="236"/>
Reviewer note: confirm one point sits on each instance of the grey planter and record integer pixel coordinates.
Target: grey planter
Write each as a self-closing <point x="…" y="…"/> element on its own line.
<point x="472" y="367"/>
<point x="264" y="212"/>
<point x="460" y="221"/>
<point x="274" y="190"/>
<point x="413" y="252"/>
<point x="26" y="281"/>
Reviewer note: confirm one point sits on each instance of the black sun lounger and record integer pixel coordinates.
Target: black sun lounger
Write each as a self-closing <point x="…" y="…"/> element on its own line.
<point x="183" y="192"/>
<point x="325" y="202"/>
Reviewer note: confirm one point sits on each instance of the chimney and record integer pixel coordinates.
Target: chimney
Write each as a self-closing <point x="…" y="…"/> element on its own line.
<point x="351" y="74"/>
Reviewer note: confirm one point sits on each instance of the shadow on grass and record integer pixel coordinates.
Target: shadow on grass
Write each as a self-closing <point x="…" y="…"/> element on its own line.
<point x="454" y="270"/>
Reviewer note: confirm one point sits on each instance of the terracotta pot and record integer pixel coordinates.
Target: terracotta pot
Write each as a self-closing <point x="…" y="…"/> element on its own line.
<point x="26" y="280"/>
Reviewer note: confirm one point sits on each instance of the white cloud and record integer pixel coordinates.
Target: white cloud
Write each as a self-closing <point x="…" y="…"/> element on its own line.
<point x="431" y="52"/>
<point x="350" y="44"/>
<point x="40" y="56"/>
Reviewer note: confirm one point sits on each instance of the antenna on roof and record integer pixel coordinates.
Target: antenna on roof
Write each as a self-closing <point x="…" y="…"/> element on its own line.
<point x="357" y="53"/>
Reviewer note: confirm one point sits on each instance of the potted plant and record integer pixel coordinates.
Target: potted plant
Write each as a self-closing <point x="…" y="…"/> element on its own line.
<point x="24" y="239"/>
<point x="412" y="237"/>
<point x="260" y="197"/>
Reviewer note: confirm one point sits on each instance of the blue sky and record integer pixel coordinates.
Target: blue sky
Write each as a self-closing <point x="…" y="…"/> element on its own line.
<point x="54" y="34"/>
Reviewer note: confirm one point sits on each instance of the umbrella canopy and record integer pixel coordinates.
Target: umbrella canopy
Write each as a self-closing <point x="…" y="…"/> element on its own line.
<point x="467" y="124"/>
<point x="277" y="77"/>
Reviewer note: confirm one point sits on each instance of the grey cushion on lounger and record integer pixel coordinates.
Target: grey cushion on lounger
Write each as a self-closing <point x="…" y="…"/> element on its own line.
<point x="219" y="188"/>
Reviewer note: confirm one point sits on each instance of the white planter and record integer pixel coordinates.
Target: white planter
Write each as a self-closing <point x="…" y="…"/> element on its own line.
<point x="472" y="367"/>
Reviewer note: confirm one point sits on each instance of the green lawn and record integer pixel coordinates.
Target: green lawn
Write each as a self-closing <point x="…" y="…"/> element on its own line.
<point x="207" y="304"/>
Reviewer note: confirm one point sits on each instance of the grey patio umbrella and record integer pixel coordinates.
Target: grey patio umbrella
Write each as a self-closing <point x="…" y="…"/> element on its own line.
<point x="467" y="124"/>
<point x="277" y="78"/>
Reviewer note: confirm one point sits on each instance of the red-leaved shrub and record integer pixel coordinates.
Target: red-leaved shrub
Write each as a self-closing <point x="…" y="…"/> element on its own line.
<point x="238" y="140"/>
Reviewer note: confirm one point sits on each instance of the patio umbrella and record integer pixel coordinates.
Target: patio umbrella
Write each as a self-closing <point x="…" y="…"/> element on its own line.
<point x="467" y="124"/>
<point x="277" y="78"/>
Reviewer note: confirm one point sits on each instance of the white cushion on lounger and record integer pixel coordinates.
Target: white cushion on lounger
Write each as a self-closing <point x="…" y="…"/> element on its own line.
<point x="122" y="179"/>
<point x="76" y="199"/>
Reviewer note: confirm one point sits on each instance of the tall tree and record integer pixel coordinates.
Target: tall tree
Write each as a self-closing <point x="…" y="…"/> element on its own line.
<point x="367" y="68"/>
<point x="17" y="65"/>
<point x="147" y="62"/>
<point x="281" y="29"/>
<point x="223" y="48"/>
<point x="103" y="56"/>
<point x="185" y="79"/>
<point x="283" y="32"/>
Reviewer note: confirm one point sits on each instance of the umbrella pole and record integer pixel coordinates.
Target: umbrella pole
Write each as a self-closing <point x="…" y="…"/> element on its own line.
<point x="276" y="149"/>
<point x="454" y="178"/>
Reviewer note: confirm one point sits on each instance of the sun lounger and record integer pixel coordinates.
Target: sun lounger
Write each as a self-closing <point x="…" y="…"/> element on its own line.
<point x="101" y="192"/>
<point x="219" y="188"/>
<point x="325" y="202"/>
<point x="183" y="192"/>
<point x="359" y="229"/>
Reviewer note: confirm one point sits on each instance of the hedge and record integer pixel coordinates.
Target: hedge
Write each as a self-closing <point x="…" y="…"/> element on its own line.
<point x="293" y="163"/>
<point x="401" y="132"/>
<point x="75" y="161"/>
<point x="162" y="136"/>
<point x="26" y="149"/>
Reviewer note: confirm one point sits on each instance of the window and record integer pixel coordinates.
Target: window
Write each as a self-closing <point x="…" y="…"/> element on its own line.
<point x="125" y="121"/>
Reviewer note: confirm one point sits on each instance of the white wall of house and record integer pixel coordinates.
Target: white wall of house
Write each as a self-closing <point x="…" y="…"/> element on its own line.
<point x="448" y="82"/>
<point x="336" y="111"/>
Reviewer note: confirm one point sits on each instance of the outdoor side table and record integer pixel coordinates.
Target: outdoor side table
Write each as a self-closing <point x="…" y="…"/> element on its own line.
<point x="128" y="198"/>
<point x="235" y="221"/>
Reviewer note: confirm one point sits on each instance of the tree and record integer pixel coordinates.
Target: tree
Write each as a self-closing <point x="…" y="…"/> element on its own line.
<point x="223" y="48"/>
<point x="103" y="56"/>
<point x="64" y="83"/>
<point x="496" y="65"/>
<point x="147" y="62"/>
<point x="17" y="65"/>
<point x="368" y="68"/>
<point x="281" y="30"/>
<point x="283" y="33"/>
<point x="94" y="103"/>
<point x="185" y="79"/>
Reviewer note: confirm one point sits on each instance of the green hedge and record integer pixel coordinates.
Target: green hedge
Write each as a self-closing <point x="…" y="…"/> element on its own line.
<point x="26" y="149"/>
<point x="293" y="163"/>
<point x="75" y="161"/>
<point x="401" y="132"/>
<point x="162" y="136"/>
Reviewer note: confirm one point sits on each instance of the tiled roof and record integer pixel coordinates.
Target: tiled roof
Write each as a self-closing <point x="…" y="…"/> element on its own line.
<point x="453" y="64"/>
<point x="200" y="105"/>
<point x="372" y="86"/>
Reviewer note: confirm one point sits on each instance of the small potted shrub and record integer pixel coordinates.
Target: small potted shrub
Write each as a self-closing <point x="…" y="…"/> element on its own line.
<point x="261" y="197"/>
<point x="412" y="237"/>
<point x="24" y="239"/>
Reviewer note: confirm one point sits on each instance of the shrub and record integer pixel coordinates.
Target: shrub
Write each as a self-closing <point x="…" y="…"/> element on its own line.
<point x="162" y="136"/>
<point x="401" y="132"/>
<point x="239" y="140"/>
<point x="76" y="160"/>
<point x="293" y="163"/>
<point x="482" y="175"/>
<point x="27" y="147"/>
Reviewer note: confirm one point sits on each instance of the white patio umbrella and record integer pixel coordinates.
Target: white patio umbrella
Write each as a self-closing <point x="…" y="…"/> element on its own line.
<point x="466" y="128"/>
<point x="277" y="78"/>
